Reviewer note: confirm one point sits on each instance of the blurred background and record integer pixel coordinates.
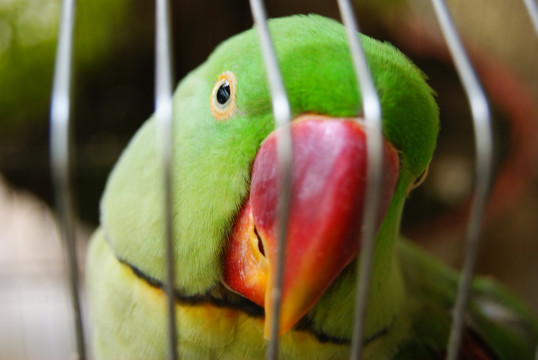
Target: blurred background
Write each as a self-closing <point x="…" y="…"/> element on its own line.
<point x="113" y="95"/>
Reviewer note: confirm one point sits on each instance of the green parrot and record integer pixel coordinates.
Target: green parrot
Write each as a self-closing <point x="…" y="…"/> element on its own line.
<point x="225" y="178"/>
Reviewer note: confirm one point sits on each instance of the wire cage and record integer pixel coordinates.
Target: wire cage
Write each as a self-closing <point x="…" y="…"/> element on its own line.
<point x="485" y="77"/>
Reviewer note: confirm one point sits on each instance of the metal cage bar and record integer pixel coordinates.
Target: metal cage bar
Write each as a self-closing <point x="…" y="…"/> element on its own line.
<point x="282" y="115"/>
<point x="374" y="148"/>
<point x="164" y="133"/>
<point x="483" y="171"/>
<point x="60" y="118"/>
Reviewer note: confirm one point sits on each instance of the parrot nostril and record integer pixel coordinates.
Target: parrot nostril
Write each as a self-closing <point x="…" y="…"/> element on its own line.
<point x="260" y="244"/>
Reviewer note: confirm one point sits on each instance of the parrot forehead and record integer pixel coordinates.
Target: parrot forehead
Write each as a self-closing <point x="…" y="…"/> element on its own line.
<point x="288" y="33"/>
<point x="314" y="60"/>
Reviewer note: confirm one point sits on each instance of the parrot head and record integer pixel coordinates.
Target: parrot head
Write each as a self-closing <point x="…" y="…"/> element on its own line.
<point x="225" y="172"/>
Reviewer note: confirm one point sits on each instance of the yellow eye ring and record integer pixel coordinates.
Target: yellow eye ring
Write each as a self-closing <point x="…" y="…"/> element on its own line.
<point x="223" y="96"/>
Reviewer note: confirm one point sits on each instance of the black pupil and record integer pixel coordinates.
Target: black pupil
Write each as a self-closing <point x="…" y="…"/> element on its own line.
<point x="223" y="93"/>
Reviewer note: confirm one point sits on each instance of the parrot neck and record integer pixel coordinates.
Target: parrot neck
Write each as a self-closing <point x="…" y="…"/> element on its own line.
<point x="332" y="314"/>
<point x="387" y="290"/>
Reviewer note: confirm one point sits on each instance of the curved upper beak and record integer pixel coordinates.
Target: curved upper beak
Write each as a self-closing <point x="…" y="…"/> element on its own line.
<point x="323" y="235"/>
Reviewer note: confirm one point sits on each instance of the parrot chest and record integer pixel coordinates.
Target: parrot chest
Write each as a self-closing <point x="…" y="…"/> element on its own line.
<point x="129" y="316"/>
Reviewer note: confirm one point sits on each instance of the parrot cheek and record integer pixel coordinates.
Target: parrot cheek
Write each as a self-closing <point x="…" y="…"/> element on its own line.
<point x="328" y="188"/>
<point x="245" y="268"/>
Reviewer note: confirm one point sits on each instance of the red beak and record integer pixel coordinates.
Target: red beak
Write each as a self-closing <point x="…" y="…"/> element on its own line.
<point x="328" y="190"/>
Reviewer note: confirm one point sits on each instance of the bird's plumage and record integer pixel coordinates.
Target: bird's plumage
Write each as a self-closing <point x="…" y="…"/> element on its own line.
<point x="411" y="296"/>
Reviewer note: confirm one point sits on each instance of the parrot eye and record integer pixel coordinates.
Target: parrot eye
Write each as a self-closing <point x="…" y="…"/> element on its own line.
<point x="223" y="93"/>
<point x="222" y="100"/>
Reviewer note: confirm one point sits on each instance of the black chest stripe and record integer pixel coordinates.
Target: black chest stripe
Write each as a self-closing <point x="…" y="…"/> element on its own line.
<point x="241" y="304"/>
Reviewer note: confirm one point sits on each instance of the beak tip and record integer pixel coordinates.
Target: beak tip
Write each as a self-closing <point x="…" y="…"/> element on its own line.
<point x="269" y="327"/>
<point x="267" y="331"/>
<point x="286" y="320"/>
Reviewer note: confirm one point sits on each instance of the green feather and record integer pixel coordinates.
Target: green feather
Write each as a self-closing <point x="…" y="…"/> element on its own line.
<point x="411" y="294"/>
